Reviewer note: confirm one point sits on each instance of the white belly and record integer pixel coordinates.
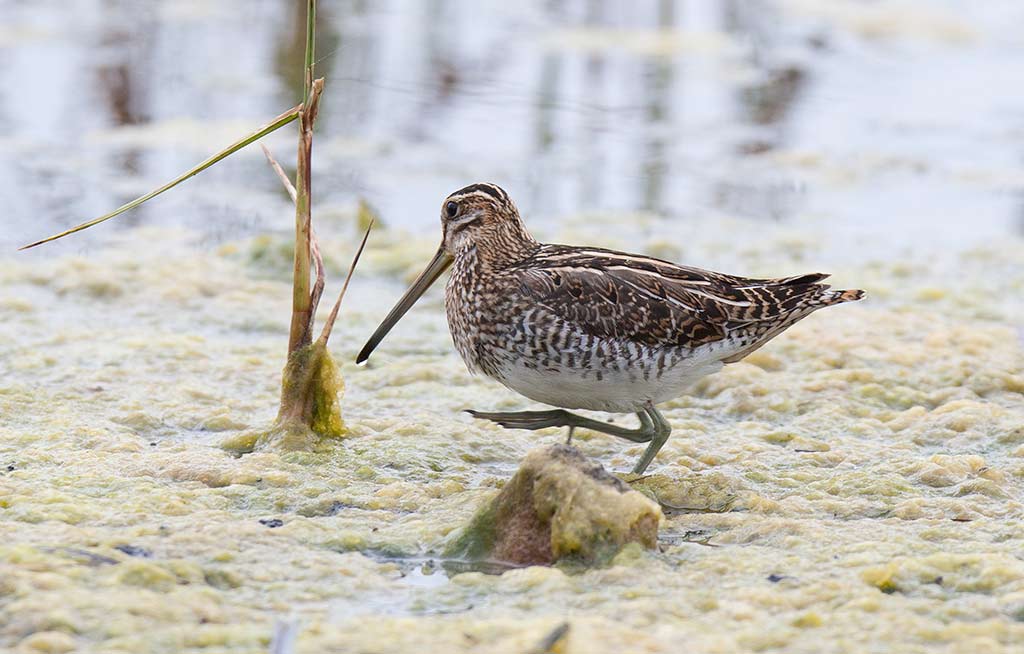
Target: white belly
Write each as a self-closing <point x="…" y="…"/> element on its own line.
<point x="616" y="391"/>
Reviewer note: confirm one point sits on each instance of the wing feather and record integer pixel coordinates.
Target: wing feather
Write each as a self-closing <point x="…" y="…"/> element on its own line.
<point x="657" y="303"/>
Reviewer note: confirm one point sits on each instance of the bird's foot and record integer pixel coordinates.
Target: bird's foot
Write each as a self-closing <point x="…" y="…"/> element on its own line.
<point x="562" y="418"/>
<point x="526" y="419"/>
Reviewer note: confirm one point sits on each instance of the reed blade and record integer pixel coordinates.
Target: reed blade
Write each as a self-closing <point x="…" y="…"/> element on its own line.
<point x="274" y="125"/>
<point x="329" y="325"/>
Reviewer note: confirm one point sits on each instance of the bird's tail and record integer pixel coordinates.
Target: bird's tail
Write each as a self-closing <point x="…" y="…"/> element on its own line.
<point x="852" y="295"/>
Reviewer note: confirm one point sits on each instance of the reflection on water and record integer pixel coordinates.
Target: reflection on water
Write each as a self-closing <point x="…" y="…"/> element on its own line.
<point x="432" y="572"/>
<point x="659" y="77"/>
<point x="120" y="80"/>
<point x="290" y="46"/>
<point x="682" y="108"/>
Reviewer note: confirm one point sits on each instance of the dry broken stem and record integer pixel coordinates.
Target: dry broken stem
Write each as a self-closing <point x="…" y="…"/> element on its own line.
<point x="329" y="325"/>
<point x="300" y="333"/>
<point x="314" y="247"/>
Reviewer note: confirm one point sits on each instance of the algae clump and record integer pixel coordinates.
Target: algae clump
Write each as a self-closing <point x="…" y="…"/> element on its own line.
<point x="559" y="507"/>
<point x="310" y="411"/>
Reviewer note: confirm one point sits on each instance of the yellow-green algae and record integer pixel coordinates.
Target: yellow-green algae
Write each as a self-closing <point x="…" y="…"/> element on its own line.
<point x="871" y="459"/>
<point x="310" y="409"/>
<point x="122" y="373"/>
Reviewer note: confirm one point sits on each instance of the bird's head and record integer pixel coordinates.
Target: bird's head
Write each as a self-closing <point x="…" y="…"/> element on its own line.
<point x="480" y="218"/>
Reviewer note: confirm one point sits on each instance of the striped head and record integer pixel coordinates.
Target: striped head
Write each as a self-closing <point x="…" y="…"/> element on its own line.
<point x="479" y="218"/>
<point x="482" y="216"/>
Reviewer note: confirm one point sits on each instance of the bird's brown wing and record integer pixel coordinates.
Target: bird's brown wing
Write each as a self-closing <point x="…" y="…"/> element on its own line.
<point x="623" y="296"/>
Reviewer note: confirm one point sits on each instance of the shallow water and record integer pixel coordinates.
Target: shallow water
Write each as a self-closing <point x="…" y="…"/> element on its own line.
<point x="855" y="486"/>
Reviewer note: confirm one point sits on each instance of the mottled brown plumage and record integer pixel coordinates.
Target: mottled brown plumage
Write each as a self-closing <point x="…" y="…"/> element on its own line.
<point x="589" y="328"/>
<point x="658" y="303"/>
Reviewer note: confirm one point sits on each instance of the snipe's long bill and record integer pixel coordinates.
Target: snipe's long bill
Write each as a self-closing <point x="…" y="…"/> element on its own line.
<point x="589" y="328"/>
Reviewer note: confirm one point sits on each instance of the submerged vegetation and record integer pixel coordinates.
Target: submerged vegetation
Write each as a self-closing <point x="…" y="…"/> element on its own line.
<point x="311" y="384"/>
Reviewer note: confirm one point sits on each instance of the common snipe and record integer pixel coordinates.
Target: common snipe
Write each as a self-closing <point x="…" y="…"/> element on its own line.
<point x="588" y="328"/>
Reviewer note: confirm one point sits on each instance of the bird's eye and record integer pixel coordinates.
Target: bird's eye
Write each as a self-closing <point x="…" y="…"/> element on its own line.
<point x="452" y="209"/>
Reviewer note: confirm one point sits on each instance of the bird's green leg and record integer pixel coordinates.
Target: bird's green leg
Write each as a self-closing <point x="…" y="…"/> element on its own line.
<point x="561" y="418"/>
<point x="662" y="429"/>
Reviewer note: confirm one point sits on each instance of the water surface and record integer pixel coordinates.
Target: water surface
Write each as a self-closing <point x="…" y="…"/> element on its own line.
<point x="856" y="485"/>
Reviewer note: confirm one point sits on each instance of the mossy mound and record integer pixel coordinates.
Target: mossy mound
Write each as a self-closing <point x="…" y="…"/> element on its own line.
<point x="559" y="506"/>
<point x="310" y="405"/>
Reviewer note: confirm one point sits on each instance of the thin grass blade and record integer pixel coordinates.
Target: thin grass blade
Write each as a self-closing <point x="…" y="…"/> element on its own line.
<point x="276" y="124"/>
<point x="329" y="325"/>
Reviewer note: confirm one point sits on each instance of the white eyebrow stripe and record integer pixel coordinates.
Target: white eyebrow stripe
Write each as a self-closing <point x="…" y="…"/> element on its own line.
<point x="481" y="194"/>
